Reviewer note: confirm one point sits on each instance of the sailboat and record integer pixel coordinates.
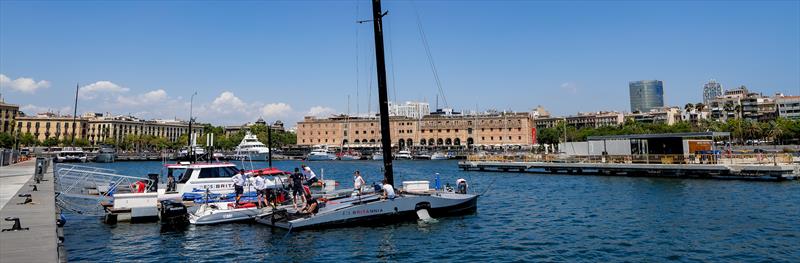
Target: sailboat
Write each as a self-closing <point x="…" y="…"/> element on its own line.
<point x="414" y="200"/>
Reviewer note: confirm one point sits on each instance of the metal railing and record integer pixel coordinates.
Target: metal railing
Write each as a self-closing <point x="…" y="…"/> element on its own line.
<point x="82" y="188"/>
<point x="756" y="158"/>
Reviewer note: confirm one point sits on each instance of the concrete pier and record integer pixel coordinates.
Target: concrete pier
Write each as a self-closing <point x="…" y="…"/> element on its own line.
<point x="710" y="171"/>
<point x="43" y="239"/>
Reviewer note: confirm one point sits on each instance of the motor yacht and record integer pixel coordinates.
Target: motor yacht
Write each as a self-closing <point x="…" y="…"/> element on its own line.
<point x="250" y="148"/>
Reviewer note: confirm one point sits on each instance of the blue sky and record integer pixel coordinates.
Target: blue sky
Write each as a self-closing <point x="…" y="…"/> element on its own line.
<point x="284" y="60"/>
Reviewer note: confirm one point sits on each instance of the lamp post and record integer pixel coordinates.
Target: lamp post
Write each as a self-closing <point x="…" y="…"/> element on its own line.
<point x="190" y="151"/>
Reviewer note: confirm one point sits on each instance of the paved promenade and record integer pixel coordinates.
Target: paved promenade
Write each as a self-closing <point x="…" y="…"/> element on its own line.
<point x="40" y="243"/>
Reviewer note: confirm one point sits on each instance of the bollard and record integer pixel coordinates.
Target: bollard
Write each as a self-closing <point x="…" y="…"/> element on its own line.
<point x="16" y="227"/>
<point x="28" y="199"/>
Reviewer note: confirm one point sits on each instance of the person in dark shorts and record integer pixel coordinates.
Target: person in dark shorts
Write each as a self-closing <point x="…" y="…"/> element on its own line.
<point x="309" y="175"/>
<point x="296" y="184"/>
<point x="238" y="185"/>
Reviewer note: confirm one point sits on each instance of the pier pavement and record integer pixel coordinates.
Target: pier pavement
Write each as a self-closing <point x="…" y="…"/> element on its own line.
<point x="43" y="240"/>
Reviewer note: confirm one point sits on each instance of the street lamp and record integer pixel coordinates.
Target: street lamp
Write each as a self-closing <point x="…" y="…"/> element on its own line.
<point x="190" y="151"/>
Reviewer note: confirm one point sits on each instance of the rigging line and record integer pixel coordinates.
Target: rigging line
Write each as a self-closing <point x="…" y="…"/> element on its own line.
<point x="371" y="76"/>
<point x="358" y="73"/>
<point x="424" y="38"/>
<point x="391" y="61"/>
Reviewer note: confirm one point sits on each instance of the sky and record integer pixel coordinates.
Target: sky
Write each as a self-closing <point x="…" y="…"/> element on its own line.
<point x="288" y="59"/>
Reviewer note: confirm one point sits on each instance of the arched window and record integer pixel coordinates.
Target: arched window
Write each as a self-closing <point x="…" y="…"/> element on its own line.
<point x="457" y="141"/>
<point x="409" y="142"/>
<point x="470" y="141"/>
<point x="422" y="142"/>
<point x="439" y="141"/>
<point x="357" y="141"/>
<point x="448" y="141"/>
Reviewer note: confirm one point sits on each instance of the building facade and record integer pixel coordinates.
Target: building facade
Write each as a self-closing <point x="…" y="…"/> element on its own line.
<point x="116" y="128"/>
<point x="410" y="109"/>
<point x="665" y="115"/>
<point x="8" y="116"/>
<point x="49" y="125"/>
<point x="758" y="108"/>
<point x="711" y="90"/>
<point x="583" y="120"/>
<point x="428" y="131"/>
<point x="788" y="106"/>
<point x="646" y="95"/>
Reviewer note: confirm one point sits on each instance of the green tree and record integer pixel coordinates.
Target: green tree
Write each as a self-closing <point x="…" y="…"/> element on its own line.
<point x="27" y="140"/>
<point x="50" y="142"/>
<point x="6" y="140"/>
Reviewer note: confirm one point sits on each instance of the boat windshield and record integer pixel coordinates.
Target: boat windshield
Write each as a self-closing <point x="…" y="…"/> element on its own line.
<point x="218" y="172"/>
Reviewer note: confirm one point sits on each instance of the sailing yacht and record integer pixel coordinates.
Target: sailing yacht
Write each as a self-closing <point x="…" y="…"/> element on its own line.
<point x="414" y="200"/>
<point x="250" y="148"/>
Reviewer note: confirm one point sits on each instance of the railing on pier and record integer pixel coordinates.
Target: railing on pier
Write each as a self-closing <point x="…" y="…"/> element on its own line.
<point x="82" y="188"/>
<point x="757" y="158"/>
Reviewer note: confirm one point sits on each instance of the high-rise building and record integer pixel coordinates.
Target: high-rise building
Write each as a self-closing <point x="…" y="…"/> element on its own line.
<point x="711" y="90"/>
<point x="646" y="95"/>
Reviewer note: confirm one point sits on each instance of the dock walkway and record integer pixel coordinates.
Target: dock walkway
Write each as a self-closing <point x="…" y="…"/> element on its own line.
<point x="43" y="241"/>
<point x="710" y="171"/>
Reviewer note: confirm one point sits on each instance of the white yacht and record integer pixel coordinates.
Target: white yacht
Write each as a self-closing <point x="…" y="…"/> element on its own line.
<point x="320" y="154"/>
<point x="377" y="156"/>
<point x="440" y="156"/>
<point x="404" y="155"/>
<point x="350" y="156"/>
<point x="70" y="154"/>
<point x="251" y="149"/>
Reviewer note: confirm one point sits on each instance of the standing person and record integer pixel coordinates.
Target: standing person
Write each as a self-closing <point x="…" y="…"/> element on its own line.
<point x="310" y="176"/>
<point x="296" y="184"/>
<point x="171" y="186"/>
<point x="388" y="190"/>
<point x="358" y="182"/>
<point x="261" y="189"/>
<point x="238" y="185"/>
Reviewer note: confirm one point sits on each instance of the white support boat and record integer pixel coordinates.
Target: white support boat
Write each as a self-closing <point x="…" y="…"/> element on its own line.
<point x="70" y="154"/>
<point x="224" y="212"/>
<point x="192" y="180"/>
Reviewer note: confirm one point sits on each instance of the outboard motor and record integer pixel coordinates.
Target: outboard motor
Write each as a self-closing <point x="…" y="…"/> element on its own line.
<point x="174" y="213"/>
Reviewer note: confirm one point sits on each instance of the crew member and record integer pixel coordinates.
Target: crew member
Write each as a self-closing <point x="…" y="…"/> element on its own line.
<point x="358" y="182"/>
<point x="388" y="190"/>
<point x="238" y="185"/>
<point x="296" y="184"/>
<point x="309" y="175"/>
<point x="171" y="186"/>
<point x="462" y="186"/>
<point x="312" y="205"/>
<point x="261" y="189"/>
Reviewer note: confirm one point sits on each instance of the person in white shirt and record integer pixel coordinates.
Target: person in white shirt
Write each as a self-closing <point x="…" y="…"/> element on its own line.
<point x="388" y="190"/>
<point x="261" y="189"/>
<point x="238" y="185"/>
<point x="358" y="182"/>
<point x="311" y="177"/>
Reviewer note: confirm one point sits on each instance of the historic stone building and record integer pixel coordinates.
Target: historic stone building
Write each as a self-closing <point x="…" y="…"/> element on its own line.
<point x="454" y="130"/>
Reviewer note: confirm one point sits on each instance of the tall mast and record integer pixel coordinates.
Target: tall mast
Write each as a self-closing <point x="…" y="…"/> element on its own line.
<point x="383" y="98"/>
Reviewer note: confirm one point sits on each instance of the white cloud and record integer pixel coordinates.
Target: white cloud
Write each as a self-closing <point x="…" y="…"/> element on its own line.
<point x="147" y="98"/>
<point x="91" y="91"/>
<point x="320" y="111"/>
<point x="227" y="102"/>
<point x="25" y="85"/>
<point x="31" y="109"/>
<point x="570" y="87"/>
<point x="276" y="110"/>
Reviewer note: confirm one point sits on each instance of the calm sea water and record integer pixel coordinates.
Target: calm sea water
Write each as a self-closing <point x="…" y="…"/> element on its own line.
<point x="522" y="217"/>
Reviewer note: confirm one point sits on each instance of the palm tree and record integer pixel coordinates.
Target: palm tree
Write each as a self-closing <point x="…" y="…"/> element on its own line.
<point x="689" y="107"/>
<point x="728" y="107"/>
<point x="700" y="106"/>
<point x="775" y="131"/>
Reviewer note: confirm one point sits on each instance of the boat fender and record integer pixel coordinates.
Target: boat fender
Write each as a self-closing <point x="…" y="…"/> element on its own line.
<point x="422" y="205"/>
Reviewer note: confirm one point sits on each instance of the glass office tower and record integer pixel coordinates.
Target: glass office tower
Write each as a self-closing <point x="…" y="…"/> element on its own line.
<point x="646" y="95"/>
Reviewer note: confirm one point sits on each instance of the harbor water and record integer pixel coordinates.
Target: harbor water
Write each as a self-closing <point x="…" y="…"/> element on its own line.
<point x="520" y="217"/>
